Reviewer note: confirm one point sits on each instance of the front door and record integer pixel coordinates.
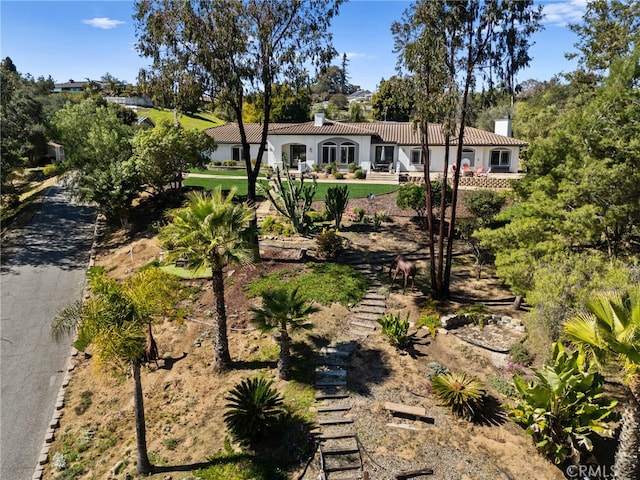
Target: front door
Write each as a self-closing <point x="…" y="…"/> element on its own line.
<point x="298" y="153"/>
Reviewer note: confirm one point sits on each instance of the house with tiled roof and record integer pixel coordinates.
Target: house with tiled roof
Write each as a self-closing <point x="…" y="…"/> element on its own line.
<point x="383" y="146"/>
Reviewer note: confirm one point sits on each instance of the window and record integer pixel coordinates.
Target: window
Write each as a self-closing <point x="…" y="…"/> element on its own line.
<point x="416" y="157"/>
<point x="329" y="151"/>
<point x="347" y="153"/>
<point x="236" y="153"/>
<point x="469" y="155"/>
<point x="384" y="155"/>
<point x="500" y="158"/>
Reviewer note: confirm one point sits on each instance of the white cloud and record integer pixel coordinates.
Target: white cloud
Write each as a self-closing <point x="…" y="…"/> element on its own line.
<point x="105" y="23"/>
<point x="366" y="56"/>
<point x="561" y="13"/>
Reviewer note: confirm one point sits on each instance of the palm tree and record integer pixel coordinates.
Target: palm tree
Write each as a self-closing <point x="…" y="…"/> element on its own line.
<point x="115" y="320"/>
<point x="211" y="231"/>
<point x="285" y="311"/>
<point x="609" y="331"/>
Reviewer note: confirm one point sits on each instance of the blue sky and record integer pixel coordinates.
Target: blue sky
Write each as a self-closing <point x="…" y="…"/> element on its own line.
<point x="86" y="39"/>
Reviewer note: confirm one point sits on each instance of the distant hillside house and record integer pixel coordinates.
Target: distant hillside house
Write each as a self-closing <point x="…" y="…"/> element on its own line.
<point x="360" y="96"/>
<point x="71" y="86"/>
<point x="131" y="101"/>
<point x="382" y="146"/>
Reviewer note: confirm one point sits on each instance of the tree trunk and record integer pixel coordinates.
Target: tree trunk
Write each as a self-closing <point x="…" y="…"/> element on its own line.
<point x="223" y="359"/>
<point x="627" y="460"/>
<point x="284" y="361"/>
<point x="143" y="465"/>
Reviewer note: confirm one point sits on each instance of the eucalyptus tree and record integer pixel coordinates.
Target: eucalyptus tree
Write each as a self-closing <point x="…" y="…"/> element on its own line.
<point x="211" y="231"/>
<point x="239" y="47"/>
<point x="116" y="322"/>
<point x="609" y="30"/>
<point x="448" y="47"/>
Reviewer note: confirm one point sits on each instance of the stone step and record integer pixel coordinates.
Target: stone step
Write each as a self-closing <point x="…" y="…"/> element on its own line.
<point x="344" y="408"/>
<point x="377" y="309"/>
<point x="327" y="351"/>
<point x="343" y="467"/>
<point x="331" y="396"/>
<point x="332" y="361"/>
<point x="334" y="421"/>
<point x="340" y="450"/>
<point x="331" y="373"/>
<point x="359" y="332"/>
<point x="336" y="436"/>
<point x="373" y="296"/>
<point x="331" y="383"/>
<point x="367" y="316"/>
<point x="365" y="324"/>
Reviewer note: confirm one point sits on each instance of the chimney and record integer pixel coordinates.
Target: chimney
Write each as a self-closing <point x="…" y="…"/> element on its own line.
<point x="503" y="127"/>
<point x="318" y="119"/>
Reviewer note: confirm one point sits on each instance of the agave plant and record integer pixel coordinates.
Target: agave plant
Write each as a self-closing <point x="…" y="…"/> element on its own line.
<point x="396" y="328"/>
<point x="463" y="393"/>
<point x="254" y="408"/>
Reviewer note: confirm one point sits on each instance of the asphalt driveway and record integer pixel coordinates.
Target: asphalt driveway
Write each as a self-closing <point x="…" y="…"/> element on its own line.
<point x="43" y="271"/>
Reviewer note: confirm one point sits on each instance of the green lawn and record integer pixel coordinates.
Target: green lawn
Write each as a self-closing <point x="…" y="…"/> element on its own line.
<point x="356" y="190"/>
<point x="200" y="121"/>
<point x="235" y="172"/>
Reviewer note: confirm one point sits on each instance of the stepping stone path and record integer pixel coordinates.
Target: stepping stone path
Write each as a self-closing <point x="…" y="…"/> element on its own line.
<point x="340" y="456"/>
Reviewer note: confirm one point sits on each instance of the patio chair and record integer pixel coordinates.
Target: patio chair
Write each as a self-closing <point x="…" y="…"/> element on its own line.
<point x="481" y="173"/>
<point x="467" y="171"/>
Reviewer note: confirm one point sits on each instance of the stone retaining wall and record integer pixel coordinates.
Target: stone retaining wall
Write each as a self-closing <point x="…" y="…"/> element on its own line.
<point x="451" y="322"/>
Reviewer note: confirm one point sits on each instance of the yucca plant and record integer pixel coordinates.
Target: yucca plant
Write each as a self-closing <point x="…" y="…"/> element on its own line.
<point x="396" y="328"/>
<point x="463" y="393"/>
<point x="254" y="408"/>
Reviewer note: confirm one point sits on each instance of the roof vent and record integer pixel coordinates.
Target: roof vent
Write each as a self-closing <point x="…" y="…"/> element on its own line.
<point x="318" y="119"/>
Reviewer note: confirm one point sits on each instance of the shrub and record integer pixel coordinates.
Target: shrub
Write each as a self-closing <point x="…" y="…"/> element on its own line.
<point x="504" y="386"/>
<point x="396" y="329"/>
<point x="338" y="176"/>
<point x="351" y="167"/>
<point x="254" y="408"/>
<point x="329" y="244"/>
<point x="360" y="174"/>
<point x="330" y="169"/>
<point x="520" y="354"/>
<point x="317" y="217"/>
<point x="52" y="169"/>
<point x="267" y="224"/>
<point x="484" y="204"/>
<point x="563" y="406"/>
<point x="411" y="196"/>
<point x="358" y="214"/>
<point x="430" y="321"/>
<point x="477" y="311"/>
<point x="229" y="163"/>
<point x="434" y="369"/>
<point x="217" y="163"/>
<point x="462" y="393"/>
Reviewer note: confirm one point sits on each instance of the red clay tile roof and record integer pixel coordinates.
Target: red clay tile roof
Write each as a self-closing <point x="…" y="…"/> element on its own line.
<point x="401" y="133"/>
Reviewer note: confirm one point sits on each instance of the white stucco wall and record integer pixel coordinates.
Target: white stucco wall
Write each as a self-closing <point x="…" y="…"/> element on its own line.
<point x="365" y="152"/>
